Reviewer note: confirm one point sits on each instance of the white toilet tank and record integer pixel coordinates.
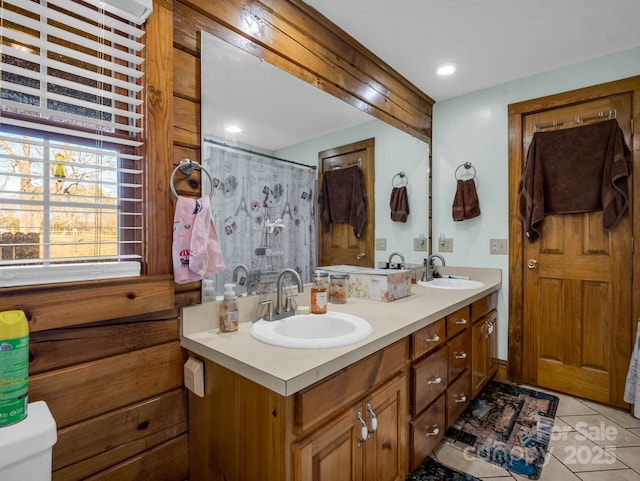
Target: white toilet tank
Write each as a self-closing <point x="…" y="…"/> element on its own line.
<point x="26" y="446"/>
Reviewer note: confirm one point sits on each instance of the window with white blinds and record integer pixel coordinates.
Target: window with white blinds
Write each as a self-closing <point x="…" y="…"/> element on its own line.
<point x="70" y="129"/>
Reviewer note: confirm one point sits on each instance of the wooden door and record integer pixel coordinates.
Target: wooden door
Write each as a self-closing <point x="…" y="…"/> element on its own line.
<point x="333" y="452"/>
<point x="385" y="450"/>
<point x="577" y="284"/>
<point x="340" y="245"/>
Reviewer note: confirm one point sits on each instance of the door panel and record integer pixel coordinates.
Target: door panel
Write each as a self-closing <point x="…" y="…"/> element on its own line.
<point x="577" y="294"/>
<point x="340" y="245"/>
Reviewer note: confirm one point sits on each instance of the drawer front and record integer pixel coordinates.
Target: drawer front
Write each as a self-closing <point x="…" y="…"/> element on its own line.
<point x="458" y="321"/>
<point x="483" y="306"/>
<point x="426" y="431"/>
<point x="428" y="338"/>
<point x="339" y="391"/>
<point x="458" y="397"/>
<point x="459" y="354"/>
<point x="429" y="379"/>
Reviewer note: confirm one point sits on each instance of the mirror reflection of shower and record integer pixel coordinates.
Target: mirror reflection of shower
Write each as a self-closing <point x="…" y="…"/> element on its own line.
<point x="283" y="117"/>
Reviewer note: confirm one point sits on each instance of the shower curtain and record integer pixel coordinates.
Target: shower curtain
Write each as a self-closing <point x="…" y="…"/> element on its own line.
<point x="265" y="212"/>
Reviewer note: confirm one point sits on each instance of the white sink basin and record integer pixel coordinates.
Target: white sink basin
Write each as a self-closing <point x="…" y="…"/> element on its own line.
<point x="312" y="331"/>
<point x="446" y="283"/>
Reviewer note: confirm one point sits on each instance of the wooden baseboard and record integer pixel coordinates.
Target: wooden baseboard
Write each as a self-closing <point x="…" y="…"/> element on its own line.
<point x="501" y="375"/>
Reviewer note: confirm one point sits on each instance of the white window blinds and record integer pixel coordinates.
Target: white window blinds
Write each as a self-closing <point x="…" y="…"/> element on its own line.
<point x="70" y="124"/>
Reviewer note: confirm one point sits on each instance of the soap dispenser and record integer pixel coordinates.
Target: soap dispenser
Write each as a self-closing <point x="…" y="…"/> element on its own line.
<point x="229" y="309"/>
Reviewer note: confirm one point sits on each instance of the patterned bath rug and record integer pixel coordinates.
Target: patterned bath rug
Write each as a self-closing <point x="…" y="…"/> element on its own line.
<point x="432" y="470"/>
<point x="506" y="425"/>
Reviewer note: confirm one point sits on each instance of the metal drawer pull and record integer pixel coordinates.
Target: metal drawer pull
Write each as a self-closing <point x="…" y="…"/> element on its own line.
<point x="460" y="355"/>
<point x="461" y="321"/>
<point x="374" y="419"/>
<point x="435" y="338"/>
<point x="435" y="380"/>
<point x="462" y="399"/>
<point x="435" y="431"/>
<point x="364" y="432"/>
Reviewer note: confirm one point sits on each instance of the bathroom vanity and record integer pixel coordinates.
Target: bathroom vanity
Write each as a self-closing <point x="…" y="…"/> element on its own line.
<point x="371" y="410"/>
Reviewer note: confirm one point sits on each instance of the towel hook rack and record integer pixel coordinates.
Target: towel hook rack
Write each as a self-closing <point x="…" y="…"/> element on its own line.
<point x="404" y="180"/>
<point x="467" y="166"/>
<point x="187" y="166"/>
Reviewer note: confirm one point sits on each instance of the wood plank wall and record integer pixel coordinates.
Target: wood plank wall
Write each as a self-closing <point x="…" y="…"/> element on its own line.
<point x="105" y="355"/>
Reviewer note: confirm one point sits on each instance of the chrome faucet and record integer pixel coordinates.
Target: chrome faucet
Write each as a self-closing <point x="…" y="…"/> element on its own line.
<point x="393" y="254"/>
<point x="285" y="309"/>
<point x="236" y="271"/>
<point x="430" y="267"/>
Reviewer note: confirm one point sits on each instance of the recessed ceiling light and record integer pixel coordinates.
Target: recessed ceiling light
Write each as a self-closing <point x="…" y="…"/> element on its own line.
<point x="446" y="69"/>
<point x="233" y="129"/>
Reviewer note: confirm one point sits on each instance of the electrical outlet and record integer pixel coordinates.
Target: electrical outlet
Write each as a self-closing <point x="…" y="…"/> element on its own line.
<point x="445" y="245"/>
<point x="498" y="246"/>
<point x="419" y="244"/>
<point x="381" y="244"/>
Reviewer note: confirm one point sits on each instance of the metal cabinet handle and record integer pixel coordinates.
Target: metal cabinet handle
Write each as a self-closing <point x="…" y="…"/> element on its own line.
<point x="532" y="264"/>
<point x="461" y="399"/>
<point x="434" y="432"/>
<point x="361" y="256"/>
<point x="435" y="338"/>
<point x="462" y="321"/>
<point x="460" y="355"/>
<point x="364" y="432"/>
<point x="374" y="419"/>
<point x="435" y="380"/>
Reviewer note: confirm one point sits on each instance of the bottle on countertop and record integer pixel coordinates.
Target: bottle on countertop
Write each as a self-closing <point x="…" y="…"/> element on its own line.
<point x="208" y="291"/>
<point x="319" y="293"/>
<point x="229" y="309"/>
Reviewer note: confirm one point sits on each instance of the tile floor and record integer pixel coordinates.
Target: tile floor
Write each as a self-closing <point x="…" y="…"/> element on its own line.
<point x="591" y="442"/>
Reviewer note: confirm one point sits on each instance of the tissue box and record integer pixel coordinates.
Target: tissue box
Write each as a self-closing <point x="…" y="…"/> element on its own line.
<point x="380" y="284"/>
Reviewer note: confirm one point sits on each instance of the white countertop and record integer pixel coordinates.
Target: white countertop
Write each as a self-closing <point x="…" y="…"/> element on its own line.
<point x="287" y="371"/>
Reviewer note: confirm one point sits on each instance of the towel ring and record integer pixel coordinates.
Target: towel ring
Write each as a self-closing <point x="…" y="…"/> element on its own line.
<point x="404" y="180"/>
<point x="187" y="167"/>
<point x="467" y="166"/>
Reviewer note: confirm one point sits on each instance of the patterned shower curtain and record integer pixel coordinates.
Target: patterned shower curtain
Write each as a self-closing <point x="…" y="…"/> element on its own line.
<point x="264" y="210"/>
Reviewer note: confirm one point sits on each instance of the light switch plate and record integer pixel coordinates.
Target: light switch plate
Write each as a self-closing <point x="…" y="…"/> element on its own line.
<point x="498" y="246"/>
<point x="446" y="246"/>
<point x="419" y="244"/>
<point x="194" y="376"/>
<point x="381" y="244"/>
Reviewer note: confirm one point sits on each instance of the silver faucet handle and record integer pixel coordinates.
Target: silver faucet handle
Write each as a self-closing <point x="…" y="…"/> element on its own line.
<point x="269" y="315"/>
<point x="288" y="304"/>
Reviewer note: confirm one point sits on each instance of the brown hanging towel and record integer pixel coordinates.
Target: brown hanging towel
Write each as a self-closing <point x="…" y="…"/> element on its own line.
<point x="343" y="198"/>
<point x="399" y="204"/>
<point x="465" y="203"/>
<point x="581" y="169"/>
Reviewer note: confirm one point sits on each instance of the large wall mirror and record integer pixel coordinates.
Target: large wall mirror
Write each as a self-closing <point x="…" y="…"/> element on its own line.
<point x="265" y="177"/>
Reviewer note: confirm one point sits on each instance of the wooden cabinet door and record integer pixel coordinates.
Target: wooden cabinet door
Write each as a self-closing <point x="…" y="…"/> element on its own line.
<point x="385" y="450"/>
<point x="333" y="452"/>
<point x="483" y="351"/>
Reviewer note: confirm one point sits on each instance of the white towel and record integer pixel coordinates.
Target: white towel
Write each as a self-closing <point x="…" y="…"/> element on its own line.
<point x="632" y="386"/>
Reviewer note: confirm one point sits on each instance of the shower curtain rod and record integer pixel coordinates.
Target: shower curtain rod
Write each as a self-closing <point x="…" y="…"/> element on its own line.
<point x="249" y="151"/>
<point x="577" y="119"/>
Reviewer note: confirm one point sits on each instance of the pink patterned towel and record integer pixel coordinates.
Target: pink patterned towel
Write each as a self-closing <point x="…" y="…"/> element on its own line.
<point x="196" y="249"/>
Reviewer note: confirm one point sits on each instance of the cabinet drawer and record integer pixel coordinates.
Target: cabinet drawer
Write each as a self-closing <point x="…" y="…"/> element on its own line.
<point x="483" y="306"/>
<point x="339" y="391"/>
<point x="428" y="338"/>
<point x="429" y="379"/>
<point x="459" y="354"/>
<point x="458" y="397"/>
<point x="457" y="321"/>
<point x="426" y="431"/>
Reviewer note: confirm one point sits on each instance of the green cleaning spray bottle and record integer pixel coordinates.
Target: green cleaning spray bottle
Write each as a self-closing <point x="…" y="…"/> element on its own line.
<point x="14" y="367"/>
